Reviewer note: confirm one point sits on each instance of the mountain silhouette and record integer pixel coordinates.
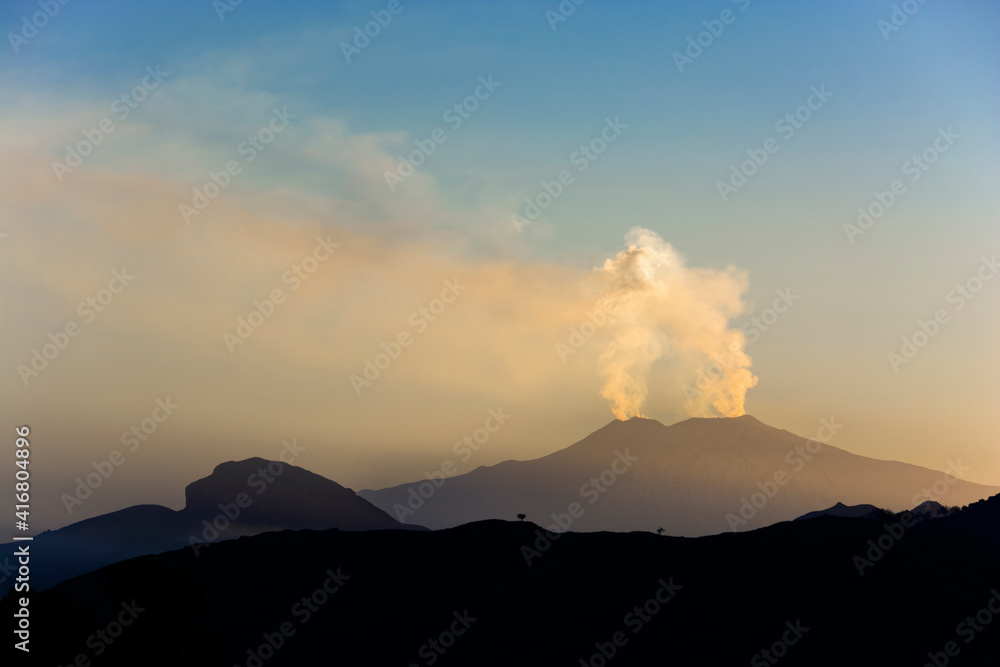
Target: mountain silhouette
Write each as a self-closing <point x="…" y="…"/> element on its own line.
<point x="236" y="500"/>
<point x="297" y="499"/>
<point x="696" y="477"/>
<point x="503" y="593"/>
<point x="840" y="509"/>
<point x="930" y="509"/>
<point x="981" y="517"/>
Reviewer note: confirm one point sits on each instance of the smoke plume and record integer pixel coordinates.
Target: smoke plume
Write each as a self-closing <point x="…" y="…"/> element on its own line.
<point x="663" y="311"/>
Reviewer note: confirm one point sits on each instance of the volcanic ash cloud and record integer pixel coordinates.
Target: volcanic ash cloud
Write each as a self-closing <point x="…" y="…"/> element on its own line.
<point x="667" y="312"/>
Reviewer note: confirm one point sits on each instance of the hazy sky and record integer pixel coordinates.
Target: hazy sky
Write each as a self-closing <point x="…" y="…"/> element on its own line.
<point x="613" y="119"/>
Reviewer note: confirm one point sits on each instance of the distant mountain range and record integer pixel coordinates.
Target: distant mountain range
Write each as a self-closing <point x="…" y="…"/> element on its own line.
<point x="840" y="509"/>
<point x="239" y="498"/>
<point x="928" y="510"/>
<point x="697" y="477"/>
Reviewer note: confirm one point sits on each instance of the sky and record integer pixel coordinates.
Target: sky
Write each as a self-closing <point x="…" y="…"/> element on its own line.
<point x="560" y="213"/>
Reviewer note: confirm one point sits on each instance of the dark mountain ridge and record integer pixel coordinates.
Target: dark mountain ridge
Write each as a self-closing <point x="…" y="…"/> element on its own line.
<point x="501" y="593"/>
<point x="239" y="498"/>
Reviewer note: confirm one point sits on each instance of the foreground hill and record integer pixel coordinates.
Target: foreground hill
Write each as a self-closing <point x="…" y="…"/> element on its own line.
<point x="830" y="591"/>
<point x="236" y="499"/>
<point x="696" y="477"/>
<point x="981" y="517"/>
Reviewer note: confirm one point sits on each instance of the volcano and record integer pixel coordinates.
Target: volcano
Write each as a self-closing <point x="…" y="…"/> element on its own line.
<point x="697" y="477"/>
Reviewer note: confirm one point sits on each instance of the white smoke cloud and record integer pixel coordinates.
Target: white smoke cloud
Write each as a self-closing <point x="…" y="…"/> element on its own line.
<point x="667" y="312"/>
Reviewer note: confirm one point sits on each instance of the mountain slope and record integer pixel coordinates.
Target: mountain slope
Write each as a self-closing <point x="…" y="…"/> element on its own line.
<point x="296" y="498"/>
<point x="239" y="498"/>
<point x="696" y="477"/>
<point x="840" y="509"/>
<point x="981" y="517"/>
<point x="468" y="596"/>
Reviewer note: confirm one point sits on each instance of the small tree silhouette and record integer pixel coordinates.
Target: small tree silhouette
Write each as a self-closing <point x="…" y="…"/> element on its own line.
<point x="659" y="531"/>
<point x="522" y="517"/>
